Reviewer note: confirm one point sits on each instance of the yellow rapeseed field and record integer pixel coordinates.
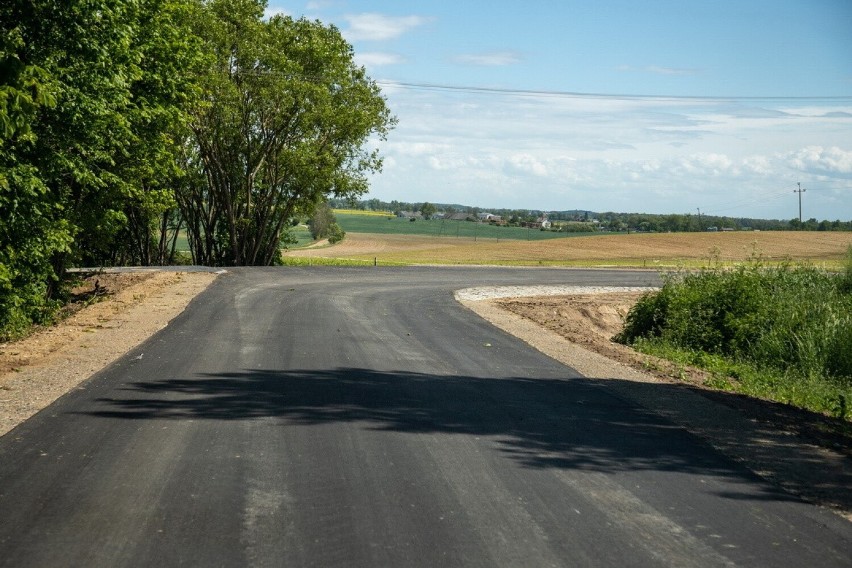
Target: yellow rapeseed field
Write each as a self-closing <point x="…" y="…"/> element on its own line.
<point x="360" y="212"/>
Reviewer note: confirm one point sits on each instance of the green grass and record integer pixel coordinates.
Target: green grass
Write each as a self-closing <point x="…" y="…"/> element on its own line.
<point x="390" y="225"/>
<point x="300" y="232"/>
<point x="782" y="332"/>
<point x="323" y="261"/>
<point x="303" y="236"/>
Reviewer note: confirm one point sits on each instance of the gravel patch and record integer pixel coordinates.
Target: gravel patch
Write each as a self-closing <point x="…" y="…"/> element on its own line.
<point x="496" y="292"/>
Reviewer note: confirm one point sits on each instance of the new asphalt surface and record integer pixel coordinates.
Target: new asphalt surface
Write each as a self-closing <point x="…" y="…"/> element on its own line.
<point x="361" y="417"/>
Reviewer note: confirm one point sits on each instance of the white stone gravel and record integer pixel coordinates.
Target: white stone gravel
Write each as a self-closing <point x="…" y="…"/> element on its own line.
<point x="495" y="292"/>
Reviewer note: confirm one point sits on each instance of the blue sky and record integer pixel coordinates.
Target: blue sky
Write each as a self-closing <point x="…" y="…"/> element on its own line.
<point x="657" y="106"/>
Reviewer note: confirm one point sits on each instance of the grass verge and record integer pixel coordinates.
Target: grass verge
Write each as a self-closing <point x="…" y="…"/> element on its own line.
<point x="323" y="261"/>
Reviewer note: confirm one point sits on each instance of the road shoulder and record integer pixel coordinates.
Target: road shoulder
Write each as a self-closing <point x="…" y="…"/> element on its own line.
<point x="131" y="307"/>
<point x="767" y="443"/>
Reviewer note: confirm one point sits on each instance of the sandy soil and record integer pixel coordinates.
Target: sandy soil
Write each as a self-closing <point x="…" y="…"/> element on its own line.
<point x="650" y="250"/>
<point x="796" y="450"/>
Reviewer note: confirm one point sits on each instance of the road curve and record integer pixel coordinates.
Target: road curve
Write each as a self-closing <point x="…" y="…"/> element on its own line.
<point x="361" y="417"/>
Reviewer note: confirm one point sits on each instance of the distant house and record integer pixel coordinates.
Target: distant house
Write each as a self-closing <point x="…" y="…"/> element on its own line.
<point x="410" y="214"/>
<point x="457" y="217"/>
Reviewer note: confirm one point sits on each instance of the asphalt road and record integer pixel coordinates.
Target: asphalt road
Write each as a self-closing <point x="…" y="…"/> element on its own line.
<point x="360" y="417"/>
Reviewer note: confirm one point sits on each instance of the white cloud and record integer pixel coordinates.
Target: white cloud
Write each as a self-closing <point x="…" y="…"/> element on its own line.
<point x="379" y="27"/>
<point x="614" y="155"/>
<point x="707" y="164"/>
<point x="528" y="164"/>
<point x="378" y="58"/>
<point x="760" y="165"/>
<point x="822" y="160"/>
<point x="493" y="59"/>
<point x="419" y="148"/>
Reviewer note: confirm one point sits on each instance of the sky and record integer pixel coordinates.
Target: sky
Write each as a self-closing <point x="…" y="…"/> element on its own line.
<point x="680" y="106"/>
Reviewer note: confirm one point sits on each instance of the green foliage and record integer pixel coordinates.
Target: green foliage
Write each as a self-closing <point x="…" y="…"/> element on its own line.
<point x="846" y="279"/>
<point x="284" y="124"/>
<point x="32" y="229"/>
<point x="126" y="123"/>
<point x="789" y="322"/>
<point x="427" y="210"/>
<point x="323" y="225"/>
<point x="335" y="234"/>
<point x="321" y="221"/>
<point x="91" y="97"/>
<point x="321" y="261"/>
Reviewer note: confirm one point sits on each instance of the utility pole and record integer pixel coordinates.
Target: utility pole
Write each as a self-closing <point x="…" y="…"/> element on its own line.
<point x="699" y="219"/>
<point x="800" y="191"/>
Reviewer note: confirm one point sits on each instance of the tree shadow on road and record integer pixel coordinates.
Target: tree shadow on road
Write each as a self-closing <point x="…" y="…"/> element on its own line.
<point x="580" y="424"/>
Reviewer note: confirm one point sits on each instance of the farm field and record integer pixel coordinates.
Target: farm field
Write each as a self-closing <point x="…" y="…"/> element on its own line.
<point x="388" y="224"/>
<point x="660" y="250"/>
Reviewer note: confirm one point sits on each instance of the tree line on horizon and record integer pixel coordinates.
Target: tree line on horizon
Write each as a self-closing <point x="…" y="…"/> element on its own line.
<point x="126" y="122"/>
<point x="609" y="220"/>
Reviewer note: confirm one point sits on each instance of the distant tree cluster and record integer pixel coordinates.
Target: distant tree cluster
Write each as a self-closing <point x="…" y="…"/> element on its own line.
<point x="583" y="221"/>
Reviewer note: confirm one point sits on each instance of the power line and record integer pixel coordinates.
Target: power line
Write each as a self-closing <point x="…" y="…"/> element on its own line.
<point x="556" y="93"/>
<point x="762" y="197"/>
<point x="610" y="96"/>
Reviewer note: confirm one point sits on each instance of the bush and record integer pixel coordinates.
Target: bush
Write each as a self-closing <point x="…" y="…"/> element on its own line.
<point x="793" y="321"/>
<point x="335" y="233"/>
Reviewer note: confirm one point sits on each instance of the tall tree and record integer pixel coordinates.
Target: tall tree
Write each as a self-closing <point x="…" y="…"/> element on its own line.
<point x="170" y="60"/>
<point x="31" y="227"/>
<point x="283" y="126"/>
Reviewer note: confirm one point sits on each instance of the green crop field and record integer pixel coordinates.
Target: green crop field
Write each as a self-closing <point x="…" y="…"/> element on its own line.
<point x="391" y="225"/>
<point x="387" y="224"/>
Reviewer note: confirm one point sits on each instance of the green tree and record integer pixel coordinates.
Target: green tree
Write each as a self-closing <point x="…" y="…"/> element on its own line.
<point x="286" y="116"/>
<point x="32" y="229"/>
<point x="336" y="234"/>
<point x="427" y="210"/>
<point x="91" y="93"/>
<point x="323" y="224"/>
<point x="170" y="61"/>
<point x="321" y="221"/>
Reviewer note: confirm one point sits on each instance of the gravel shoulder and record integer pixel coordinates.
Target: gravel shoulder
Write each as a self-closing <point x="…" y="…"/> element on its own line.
<point x="114" y="313"/>
<point x="796" y="450"/>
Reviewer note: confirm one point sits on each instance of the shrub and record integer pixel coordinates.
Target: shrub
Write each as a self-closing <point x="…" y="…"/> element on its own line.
<point x="793" y="321"/>
<point x="335" y="233"/>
